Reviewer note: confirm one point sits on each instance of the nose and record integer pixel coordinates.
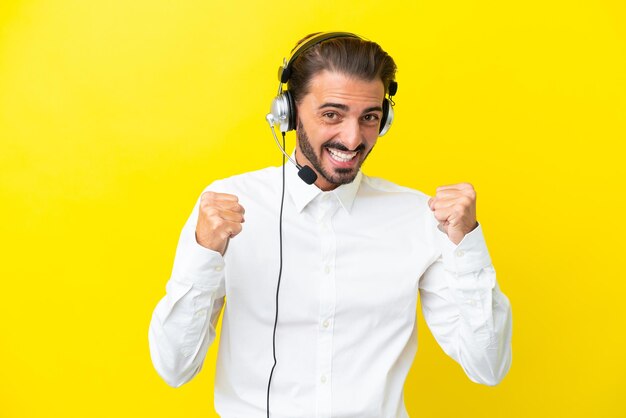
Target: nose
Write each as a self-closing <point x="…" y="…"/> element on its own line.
<point x="352" y="135"/>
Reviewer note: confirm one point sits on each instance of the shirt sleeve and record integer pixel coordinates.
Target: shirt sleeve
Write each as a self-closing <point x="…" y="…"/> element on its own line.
<point x="464" y="308"/>
<point x="183" y="322"/>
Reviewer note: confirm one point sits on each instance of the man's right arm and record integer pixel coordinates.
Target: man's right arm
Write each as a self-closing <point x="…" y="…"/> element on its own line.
<point x="183" y="323"/>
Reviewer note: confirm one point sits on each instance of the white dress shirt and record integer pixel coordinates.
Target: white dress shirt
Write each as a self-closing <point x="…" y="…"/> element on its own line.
<point x="354" y="261"/>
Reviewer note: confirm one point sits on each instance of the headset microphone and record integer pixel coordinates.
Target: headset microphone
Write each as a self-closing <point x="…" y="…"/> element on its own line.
<point x="306" y="173"/>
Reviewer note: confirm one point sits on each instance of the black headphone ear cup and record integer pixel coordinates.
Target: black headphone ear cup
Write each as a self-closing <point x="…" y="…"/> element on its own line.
<point x="383" y="119"/>
<point x="292" y="111"/>
<point x="387" y="118"/>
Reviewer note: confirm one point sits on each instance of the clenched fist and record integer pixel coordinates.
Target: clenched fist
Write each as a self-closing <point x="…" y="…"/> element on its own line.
<point x="219" y="220"/>
<point x="454" y="206"/>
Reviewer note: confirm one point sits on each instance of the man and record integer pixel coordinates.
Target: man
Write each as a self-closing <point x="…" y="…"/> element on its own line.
<point x="352" y="254"/>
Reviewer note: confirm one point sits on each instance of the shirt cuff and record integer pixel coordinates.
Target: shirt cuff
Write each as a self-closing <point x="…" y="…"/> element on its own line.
<point x="469" y="255"/>
<point x="197" y="265"/>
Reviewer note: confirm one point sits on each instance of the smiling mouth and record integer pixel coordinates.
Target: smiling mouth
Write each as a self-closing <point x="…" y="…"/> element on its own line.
<point x="341" y="156"/>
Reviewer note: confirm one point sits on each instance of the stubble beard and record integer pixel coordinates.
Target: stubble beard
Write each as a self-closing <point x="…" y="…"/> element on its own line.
<point x="340" y="175"/>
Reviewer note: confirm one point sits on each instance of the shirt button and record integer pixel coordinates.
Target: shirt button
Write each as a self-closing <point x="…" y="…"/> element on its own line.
<point x="323" y="379"/>
<point x="200" y="313"/>
<point x="327" y="269"/>
<point x="218" y="268"/>
<point x="460" y="253"/>
<point x="325" y="323"/>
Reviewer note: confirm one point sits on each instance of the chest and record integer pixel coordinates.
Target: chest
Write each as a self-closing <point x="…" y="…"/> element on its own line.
<point x="332" y="260"/>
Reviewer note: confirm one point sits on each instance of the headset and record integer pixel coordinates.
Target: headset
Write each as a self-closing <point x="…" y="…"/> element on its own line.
<point x="283" y="108"/>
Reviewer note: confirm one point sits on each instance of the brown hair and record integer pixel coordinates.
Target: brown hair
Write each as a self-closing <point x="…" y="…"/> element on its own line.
<point x="351" y="56"/>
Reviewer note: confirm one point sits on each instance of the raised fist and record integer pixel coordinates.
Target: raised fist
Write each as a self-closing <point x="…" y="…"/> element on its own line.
<point x="454" y="206"/>
<point x="219" y="219"/>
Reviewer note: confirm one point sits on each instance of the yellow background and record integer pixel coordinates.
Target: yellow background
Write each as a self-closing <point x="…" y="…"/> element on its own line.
<point x="115" y="114"/>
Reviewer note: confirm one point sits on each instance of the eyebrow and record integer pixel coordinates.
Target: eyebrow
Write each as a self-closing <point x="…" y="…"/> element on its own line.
<point x="346" y="108"/>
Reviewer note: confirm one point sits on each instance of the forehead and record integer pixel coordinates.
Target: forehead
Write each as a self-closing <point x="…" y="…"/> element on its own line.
<point x="338" y="87"/>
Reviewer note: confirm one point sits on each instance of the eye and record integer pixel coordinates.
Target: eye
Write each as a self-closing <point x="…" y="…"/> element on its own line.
<point x="331" y="117"/>
<point x="371" y="117"/>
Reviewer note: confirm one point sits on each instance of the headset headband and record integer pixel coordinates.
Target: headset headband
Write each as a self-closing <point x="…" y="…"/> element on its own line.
<point x="284" y="71"/>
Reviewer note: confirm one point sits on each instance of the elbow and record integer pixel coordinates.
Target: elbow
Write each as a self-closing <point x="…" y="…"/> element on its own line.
<point x="174" y="368"/>
<point x="173" y="380"/>
<point x="490" y="368"/>
<point x="490" y="380"/>
<point x="175" y="375"/>
<point x="498" y="372"/>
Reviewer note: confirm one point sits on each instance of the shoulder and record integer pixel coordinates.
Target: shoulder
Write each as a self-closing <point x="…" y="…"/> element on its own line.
<point x="398" y="204"/>
<point x="248" y="182"/>
<point x="403" y="200"/>
<point x="386" y="188"/>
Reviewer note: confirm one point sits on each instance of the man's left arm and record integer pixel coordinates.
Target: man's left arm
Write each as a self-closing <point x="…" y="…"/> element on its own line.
<point x="467" y="313"/>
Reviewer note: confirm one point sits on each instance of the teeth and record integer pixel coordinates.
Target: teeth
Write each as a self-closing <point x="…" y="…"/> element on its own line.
<point x="341" y="156"/>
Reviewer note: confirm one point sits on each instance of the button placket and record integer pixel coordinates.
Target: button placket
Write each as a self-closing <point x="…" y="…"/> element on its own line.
<point x="329" y="207"/>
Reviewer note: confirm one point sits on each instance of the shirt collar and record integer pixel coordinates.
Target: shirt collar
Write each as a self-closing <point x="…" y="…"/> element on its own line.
<point x="302" y="193"/>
